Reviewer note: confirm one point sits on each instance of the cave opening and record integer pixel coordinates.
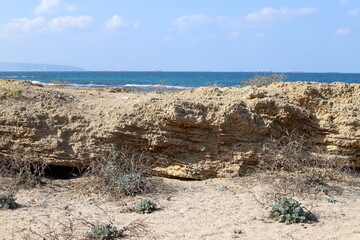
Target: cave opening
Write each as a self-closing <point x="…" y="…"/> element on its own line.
<point x="63" y="172"/>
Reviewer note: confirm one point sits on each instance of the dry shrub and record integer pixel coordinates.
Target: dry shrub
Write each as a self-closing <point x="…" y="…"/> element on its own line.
<point x="122" y="171"/>
<point x="264" y="80"/>
<point x="21" y="170"/>
<point x="67" y="231"/>
<point x="291" y="168"/>
<point x="73" y="229"/>
<point x="11" y="90"/>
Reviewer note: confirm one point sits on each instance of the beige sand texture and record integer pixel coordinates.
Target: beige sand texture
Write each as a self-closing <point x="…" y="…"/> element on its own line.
<point x="188" y="210"/>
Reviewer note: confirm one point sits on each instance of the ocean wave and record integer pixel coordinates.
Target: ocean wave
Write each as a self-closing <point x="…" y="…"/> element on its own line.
<point x="37" y="82"/>
<point x="156" y="86"/>
<point x="88" y="85"/>
<point x="15" y="77"/>
<point x="73" y="84"/>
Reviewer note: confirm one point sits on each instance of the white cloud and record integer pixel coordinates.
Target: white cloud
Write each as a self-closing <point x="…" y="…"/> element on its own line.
<point x="271" y="14"/>
<point x="343" y="2"/>
<point x="343" y="31"/>
<point x="185" y="23"/>
<point x="22" y="24"/>
<point x="234" y="35"/>
<point x="48" y="6"/>
<point x="354" y="12"/>
<point x="115" y="22"/>
<point x="65" y="22"/>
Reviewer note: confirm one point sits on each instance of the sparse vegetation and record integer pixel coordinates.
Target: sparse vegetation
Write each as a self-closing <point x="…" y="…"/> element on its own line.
<point x="264" y="80"/>
<point x="322" y="188"/>
<point x="295" y="169"/>
<point x="130" y="184"/>
<point x="145" y="206"/>
<point x="7" y="201"/>
<point x="103" y="232"/>
<point x="223" y="188"/>
<point x="11" y="90"/>
<point x="236" y="233"/>
<point x="21" y="170"/>
<point x="287" y="210"/>
<point x="331" y="199"/>
<point x="68" y="230"/>
<point x="123" y="171"/>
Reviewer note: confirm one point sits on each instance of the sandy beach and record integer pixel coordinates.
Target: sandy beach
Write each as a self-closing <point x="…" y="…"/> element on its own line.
<point x="187" y="210"/>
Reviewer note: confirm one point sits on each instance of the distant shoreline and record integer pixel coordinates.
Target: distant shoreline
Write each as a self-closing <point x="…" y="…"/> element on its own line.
<point x="145" y="81"/>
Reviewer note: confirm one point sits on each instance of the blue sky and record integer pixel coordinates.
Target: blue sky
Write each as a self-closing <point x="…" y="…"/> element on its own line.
<point x="183" y="35"/>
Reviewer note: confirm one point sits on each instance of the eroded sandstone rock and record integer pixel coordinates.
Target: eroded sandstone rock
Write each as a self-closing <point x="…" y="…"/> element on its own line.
<point x="206" y="132"/>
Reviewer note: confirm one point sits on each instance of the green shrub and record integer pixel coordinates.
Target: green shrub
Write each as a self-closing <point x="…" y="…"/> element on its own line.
<point x="331" y="199"/>
<point x="131" y="184"/>
<point x="322" y="188"/>
<point x="223" y="188"/>
<point x="122" y="172"/>
<point x="237" y="231"/>
<point x="145" y="206"/>
<point x="104" y="232"/>
<point x="287" y="210"/>
<point x="7" y="201"/>
<point x="11" y="90"/>
<point x="34" y="180"/>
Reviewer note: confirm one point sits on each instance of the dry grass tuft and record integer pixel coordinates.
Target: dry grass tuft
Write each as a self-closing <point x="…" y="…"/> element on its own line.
<point x="122" y="171"/>
<point x="80" y="228"/>
<point x="287" y="164"/>
<point x="20" y="170"/>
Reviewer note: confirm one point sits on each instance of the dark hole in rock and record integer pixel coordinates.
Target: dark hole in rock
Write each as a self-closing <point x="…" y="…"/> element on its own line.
<point x="61" y="172"/>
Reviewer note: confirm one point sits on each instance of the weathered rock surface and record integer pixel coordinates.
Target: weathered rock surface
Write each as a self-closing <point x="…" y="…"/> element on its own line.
<point x="206" y="132"/>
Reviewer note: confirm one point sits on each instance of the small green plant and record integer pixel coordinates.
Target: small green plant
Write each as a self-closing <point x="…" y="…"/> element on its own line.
<point x="331" y="199"/>
<point x="237" y="231"/>
<point x="7" y="201"/>
<point x="145" y="206"/>
<point x="223" y="188"/>
<point x="103" y="232"/>
<point x="34" y="180"/>
<point x="322" y="188"/>
<point x="130" y="184"/>
<point x="191" y="172"/>
<point x="287" y="210"/>
<point x="122" y="171"/>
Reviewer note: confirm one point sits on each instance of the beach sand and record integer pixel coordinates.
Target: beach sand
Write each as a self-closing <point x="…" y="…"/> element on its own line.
<point x="208" y="209"/>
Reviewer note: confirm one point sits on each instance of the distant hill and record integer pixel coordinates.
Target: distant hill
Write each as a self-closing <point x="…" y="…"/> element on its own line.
<point x="36" y="67"/>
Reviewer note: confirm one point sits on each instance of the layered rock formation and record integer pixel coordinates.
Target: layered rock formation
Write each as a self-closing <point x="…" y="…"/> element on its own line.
<point x="206" y="132"/>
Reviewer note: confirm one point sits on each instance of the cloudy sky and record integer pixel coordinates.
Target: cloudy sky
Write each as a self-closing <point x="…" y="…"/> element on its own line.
<point x="183" y="35"/>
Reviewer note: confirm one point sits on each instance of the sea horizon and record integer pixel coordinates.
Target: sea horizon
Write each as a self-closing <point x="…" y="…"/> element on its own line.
<point x="147" y="81"/>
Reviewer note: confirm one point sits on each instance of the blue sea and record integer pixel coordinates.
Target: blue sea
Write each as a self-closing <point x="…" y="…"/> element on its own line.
<point x="148" y="81"/>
